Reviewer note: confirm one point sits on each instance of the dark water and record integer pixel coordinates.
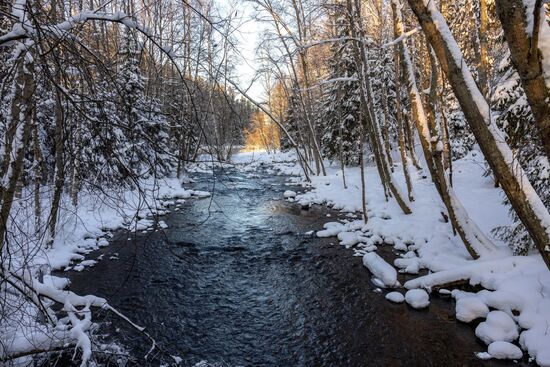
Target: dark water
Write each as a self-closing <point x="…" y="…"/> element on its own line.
<point x="235" y="280"/>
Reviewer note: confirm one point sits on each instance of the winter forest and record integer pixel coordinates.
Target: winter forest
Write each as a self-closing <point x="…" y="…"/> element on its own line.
<point x="274" y="182"/>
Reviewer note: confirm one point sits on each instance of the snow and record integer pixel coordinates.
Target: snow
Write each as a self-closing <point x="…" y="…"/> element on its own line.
<point x="289" y="194"/>
<point x="381" y="269"/>
<point x="349" y="239"/>
<point x="395" y="297"/>
<point x="504" y="350"/>
<point x="499" y="326"/>
<point x="331" y="229"/>
<point x="470" y="308"/>
<point x="417" y="298"/>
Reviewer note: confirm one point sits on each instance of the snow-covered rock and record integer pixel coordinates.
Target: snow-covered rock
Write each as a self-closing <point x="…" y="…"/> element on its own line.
<point x="498" y="326"/>
<point x="349" y="239"/>
<point x="381" y="269"/>
<point x="410" y="265"/>
<point x="201" y="194"/>
<point x="417" y="298"/>
<point x="289" y="194"/>
<point x="102" y="242"/>
<point x="395" y="297"/>
<point x="470" y="308"/>
<point x="89" y="263"/>
<point x="331" y="229"/>
<point x="504" y="350"/>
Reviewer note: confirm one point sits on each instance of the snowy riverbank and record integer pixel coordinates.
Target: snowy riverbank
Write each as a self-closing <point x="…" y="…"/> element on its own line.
<point x="32" y="326"/>
<point x="515" y="303"/>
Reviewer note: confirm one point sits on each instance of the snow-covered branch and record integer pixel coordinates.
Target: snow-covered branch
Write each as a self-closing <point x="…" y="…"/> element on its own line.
<point x="328" y="40"/>
<point x="402" y="37"/>
<point x="24" y="30"/>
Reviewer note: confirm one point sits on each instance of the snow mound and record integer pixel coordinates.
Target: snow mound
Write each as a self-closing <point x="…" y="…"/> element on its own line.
<point x="504" y="350"/>
<point x="417" y="298"/>
<point x="499" y="326"/>
<point x="289" y="194"/>
<point x="201" y="194"/>
<point x="381" y="269"/>
<point x="331" y="229"/>
<point x="395" y="297"/>
<point x="349" y="239"/>
<point x="470" y="308"/>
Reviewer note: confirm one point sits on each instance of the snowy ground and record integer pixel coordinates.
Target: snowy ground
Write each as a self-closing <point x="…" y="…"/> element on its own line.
<point x="515" y="302"/>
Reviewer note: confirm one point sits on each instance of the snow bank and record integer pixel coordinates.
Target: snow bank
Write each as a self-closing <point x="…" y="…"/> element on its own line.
<point x="81" y="229"/>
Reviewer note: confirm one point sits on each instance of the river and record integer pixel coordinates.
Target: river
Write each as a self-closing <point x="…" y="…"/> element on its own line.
<point x="236" y="280"/>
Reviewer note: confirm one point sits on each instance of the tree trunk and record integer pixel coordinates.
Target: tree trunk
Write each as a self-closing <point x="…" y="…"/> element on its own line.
<point x="483" y="71"/>
<point x="385" y="127"/>
<point x="22" y="114"/>
<point x="400" y="127"/>
<point x="473" y="238"/>
<point x="513" y="180"/>
<point x="38" y="176"/>
<point x="527" y="59"/>
<point x="366" y="105"/>
<point x="59" y="168"/>
<point x="362" y="171"/>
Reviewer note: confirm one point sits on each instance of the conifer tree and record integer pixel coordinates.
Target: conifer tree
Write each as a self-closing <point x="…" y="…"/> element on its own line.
<point x="341" y="116"/>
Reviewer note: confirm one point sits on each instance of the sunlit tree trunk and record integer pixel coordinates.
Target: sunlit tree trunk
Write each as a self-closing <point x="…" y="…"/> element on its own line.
<point x="513" y="180"/>
<point x="424" y="117"/>
<point x="400" y="127"/>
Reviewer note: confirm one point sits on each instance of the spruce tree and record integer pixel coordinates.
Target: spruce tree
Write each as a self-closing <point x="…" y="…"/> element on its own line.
<point x="341" y="116"/>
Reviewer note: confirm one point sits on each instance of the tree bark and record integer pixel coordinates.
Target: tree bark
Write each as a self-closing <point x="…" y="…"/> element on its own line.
<point x="400" y="127"/>
<point x="483" y="71"/>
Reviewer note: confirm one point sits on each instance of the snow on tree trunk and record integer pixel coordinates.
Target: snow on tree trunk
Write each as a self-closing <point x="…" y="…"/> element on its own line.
<point x="473" y="238"/>
<point x="21" y="114"/>
<point x="491" y="140"/>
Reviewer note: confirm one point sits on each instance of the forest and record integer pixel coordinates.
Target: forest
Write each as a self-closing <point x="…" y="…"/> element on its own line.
<point x="428" y="121"/>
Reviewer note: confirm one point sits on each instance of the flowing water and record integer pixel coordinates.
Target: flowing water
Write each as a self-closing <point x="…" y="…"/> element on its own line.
<point x="235" y="280"/>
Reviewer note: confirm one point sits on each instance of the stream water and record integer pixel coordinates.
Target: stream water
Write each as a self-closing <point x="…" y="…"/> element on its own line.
<point x="235" y="280"/>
